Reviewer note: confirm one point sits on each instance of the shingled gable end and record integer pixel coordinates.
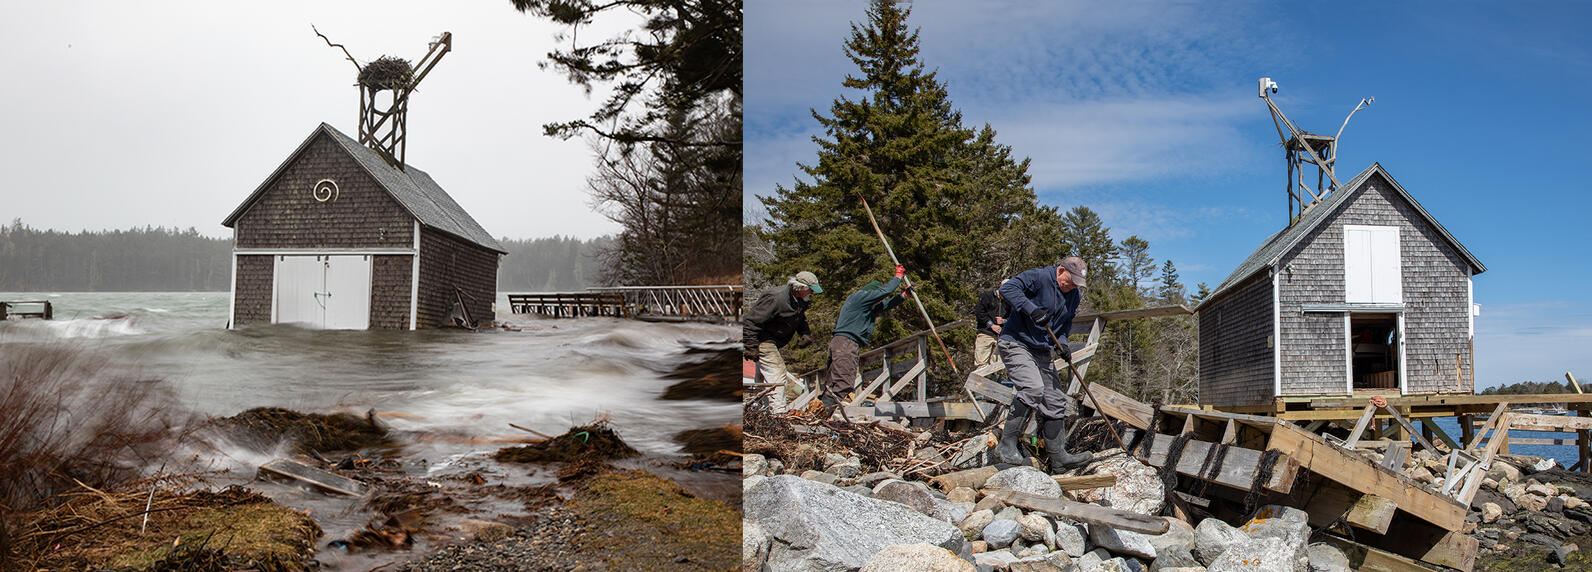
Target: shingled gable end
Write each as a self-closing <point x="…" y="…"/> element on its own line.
<point x="340" y="237"/>
<point x="1365" y="293"/>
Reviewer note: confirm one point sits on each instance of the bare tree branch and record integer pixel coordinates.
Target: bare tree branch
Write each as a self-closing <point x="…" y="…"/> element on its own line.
<point x="357" y="67"/>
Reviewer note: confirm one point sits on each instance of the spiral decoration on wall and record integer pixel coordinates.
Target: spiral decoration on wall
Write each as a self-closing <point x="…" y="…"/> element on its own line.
<point x="325" y="190"/>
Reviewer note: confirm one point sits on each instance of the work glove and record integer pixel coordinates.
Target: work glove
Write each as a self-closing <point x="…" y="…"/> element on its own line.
<point x="900" y="271"/>
<point x="1038" y="316"/>
<point x="908" y="292"/>
<point x="1066" y="352"/>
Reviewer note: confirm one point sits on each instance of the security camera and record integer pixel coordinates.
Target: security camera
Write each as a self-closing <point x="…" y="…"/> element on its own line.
<point x="1265" y="84"/>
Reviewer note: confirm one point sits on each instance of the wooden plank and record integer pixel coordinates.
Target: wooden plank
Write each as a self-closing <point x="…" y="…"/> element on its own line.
<point x="1238" y="468"/>
<point x="1411" y="430"/>
<point x="1453" y="399"/>
<point x="1085" y="482"/>
<point x="1573" y="382"/>
<point x="917" y="410"/>
<point x="1092" y="514"/>
<point x="1120" y="406"/>
<point x="1361" y="474"/>
<point x="1230" y="434"/>
<point x="1497" y="414"/>
<point x="1536" y="422"/>
<point x="857" y="397"/>
<point x="1583" y="445"/>
<point x="908" y="377"/>
<point x="1429" y="425"/>
<point x="1500" y="436"/>
<point x="1359" y="428"/>
<point x="1372" y="513"/>
<point x="1394" y="458"/>
<point x="1367" y="559"/>
<point x="1156" y="312"/>
<point x="294" y="472"/>
<point x="990" y="390"/>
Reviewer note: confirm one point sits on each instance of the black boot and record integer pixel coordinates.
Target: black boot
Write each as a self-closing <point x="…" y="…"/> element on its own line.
<point x="1008" y="451"/>
<point x="1055" y="433"/>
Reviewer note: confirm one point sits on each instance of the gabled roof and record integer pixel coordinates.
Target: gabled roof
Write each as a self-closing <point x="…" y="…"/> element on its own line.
<point x="1284" y="240"/>
<point x="411" y="187"/>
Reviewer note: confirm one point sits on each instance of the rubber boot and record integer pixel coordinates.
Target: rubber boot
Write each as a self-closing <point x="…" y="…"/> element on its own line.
<point x="1008" y="451"/>
<point x="1055" y="433"/>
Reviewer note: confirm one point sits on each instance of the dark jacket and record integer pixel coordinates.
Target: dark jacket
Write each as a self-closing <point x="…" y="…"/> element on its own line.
<point x="989" y="307"/>
<point x="1037" y="288"/>
<point x="776" y="317"/>
<point x="861" y="308"/>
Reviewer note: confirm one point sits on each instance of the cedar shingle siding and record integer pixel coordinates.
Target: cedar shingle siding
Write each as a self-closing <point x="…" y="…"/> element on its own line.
<point x="253" y="304"/>
<point x="288" y="216"/>
<point x="447" y="262"/>
<point x="1434" y="277"/>
<point x="1235" y="356"/>
<point x="389" y="291"/>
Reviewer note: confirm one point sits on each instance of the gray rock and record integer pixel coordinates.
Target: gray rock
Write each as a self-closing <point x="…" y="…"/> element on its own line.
<point x="1025" y="480"/>
<point x="1115" y="565"/>
<point x="1178" y="533"/>
<point x="1092" y="559"/>
<point x="1052" y="562"/>
<point x="754" y="464"/>
<point x="1001" y="533"/>
<point x="813" y="526"/>
<point x="1213" y="537"/>
<point x="949" y="511"/>
<point x="754" y="547"/>
<point x="1138" y="489"/>
<point x="775" y="467"/>
<point x="847" y="470"/>
<point x="1031" y="551"/>
<point x="991" y="503"/>
<point x="1555" y="504"/>
<point x="912" y="495"/>
<point x="998" y="560"/>
<point x="1121" y="541"/>
<point x="1268" y="554"/>
<point x="832" y="459"/>
<point x="859" y="489"/>
<point x="1284" y="527"/>
<point x="1325" y="557"/>
<point x="1069" y="539"/>
<point x="748" y="482"/>
<point x="1173" y="556"/>
<point x="973" y="526"/>
<point x="1283" y="512"/>
<point x="916" y="557"/>
<point x="820" y="477"/>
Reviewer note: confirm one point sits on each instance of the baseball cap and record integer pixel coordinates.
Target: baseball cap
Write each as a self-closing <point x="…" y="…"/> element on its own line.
<point x="807" y="279"/>
<point x="1077" y="267"/>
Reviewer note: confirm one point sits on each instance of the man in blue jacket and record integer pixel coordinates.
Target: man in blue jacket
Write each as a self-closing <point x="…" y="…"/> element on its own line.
<point x="853" y="330"/>
<point x="1037" y="299"/>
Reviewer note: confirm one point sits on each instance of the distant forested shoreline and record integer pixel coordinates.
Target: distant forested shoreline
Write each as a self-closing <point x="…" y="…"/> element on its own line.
<point x="160" y="259"/>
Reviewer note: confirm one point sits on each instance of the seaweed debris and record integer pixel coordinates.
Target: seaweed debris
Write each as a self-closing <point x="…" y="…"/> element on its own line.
<point x="263" y="427"/>
<point x="596" y="440"/>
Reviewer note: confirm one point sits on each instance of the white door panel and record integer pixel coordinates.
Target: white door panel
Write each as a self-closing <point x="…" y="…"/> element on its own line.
<point x="348" y="292"/>
<point x="324" y="291"/>
<point x="1372" y="265"/>
<point x="298" y="285"/>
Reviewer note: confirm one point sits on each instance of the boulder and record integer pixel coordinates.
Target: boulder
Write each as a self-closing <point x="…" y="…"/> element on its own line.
<point x="1532" y="502"/>
<point x="1138" y="488"/>
<point x="999" y="559"/>
<point x="912" y="495"/>
<point x="754" y="547"/>
<point x="1025" y="480"/>
<point x="991" y="503"/>
<point x="1008" y="513"/>
<point x="1052" y="562"/>
<point x="1178" y="534"/>
<point x="1325" y="557"/>
<point x="1174" y="557"/>
<point x="1092" y="559"/>
<point x="754" y="464"/>
<point x="1031" y="551"/>
<point x="1267" y="554"/>
<point x="1287" y="524"/>
<point x="748" y="482"/>
<point x="1118" y="564"/>
<point x="1213" y="537"/>
<point x="1555" y="504"/>
<point x="916" y="557"/>
<point x="1490" y="512"/>
<point x="973" y="526"/>
<point x="1571" y="502"/>
<point x="962" y="494"/>
<point x="949" y="511"/>
<point x="859" y="489"/>
<point x="847" y="470"/>
<point x="1069" y="539"/>
<point x="1561" y="555"/>
<point x="1504" y="473"/>
<point x="820" y="477"/>
<point x="1036" y="528"/>
<point x="1545" y="490"/>
<point x="1001" y="533"/>
<point x="813" y="526"/>
<point x="1122" y="541"/>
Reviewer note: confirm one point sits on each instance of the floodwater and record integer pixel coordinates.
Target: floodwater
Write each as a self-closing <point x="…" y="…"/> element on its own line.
<point x="437" y="389"/>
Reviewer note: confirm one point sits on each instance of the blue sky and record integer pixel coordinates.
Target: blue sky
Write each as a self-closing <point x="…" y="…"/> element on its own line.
<point x="1147" y="113"/>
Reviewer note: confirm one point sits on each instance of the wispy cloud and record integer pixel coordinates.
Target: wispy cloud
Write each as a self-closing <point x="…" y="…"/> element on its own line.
<point x="1535" y="341"/>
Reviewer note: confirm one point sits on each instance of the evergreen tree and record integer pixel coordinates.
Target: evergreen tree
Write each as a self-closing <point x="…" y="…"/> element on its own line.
<point x="1136" y="261"/>
<point x="954" y="204"/>
<point x="1204" y="291"/>
<point x="1085" y="236"/>
<point x="1170" y="291"/>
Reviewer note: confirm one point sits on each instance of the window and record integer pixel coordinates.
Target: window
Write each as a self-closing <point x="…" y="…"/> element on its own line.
<point x="1372" y="267"/>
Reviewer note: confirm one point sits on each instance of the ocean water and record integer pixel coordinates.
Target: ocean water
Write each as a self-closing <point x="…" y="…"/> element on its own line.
<point x="449" y="385"/>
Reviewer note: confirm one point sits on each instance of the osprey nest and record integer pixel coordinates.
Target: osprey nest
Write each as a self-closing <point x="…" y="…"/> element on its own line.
<point x="387" y="72"/>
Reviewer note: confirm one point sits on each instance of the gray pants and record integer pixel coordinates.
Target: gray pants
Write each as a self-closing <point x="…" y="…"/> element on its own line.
<point x="1038" y="385"/>
<point x="842" y="374"/>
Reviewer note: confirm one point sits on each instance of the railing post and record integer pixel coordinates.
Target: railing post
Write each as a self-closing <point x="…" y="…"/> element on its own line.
<point x="923" y="376"/>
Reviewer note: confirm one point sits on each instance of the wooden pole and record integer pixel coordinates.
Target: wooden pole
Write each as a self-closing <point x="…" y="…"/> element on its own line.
<point x="908" y="282"/>
<point x="1572" y="381"/>
<point x="1073" y="369"/>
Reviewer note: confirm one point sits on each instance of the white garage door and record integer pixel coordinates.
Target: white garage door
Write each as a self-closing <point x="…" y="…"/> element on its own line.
<point x="330" y="292"/>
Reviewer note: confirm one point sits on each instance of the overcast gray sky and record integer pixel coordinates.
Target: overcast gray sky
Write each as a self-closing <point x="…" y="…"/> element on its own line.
<point x="120" y="114"/>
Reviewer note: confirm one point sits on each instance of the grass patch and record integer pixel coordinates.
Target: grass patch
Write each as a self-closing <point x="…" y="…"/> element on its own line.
<point x="639" y="521"/>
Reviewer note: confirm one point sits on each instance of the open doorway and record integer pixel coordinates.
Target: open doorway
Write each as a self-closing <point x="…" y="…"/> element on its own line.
<point x="1374" y="347"/>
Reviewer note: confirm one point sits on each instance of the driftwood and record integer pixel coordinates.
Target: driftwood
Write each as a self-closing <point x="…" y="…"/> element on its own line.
<point x="1092" y="514"/>
<point x="971" y="478"/>
<point x="1085" y="482"/>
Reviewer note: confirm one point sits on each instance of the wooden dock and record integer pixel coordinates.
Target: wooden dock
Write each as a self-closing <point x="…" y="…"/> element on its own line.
<point x="569" y="304"/>
<point x="22" y="309"/>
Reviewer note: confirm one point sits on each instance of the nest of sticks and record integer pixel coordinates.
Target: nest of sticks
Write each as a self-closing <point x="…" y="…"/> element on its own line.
<point x="387" y="72"/>
<point x="880" y="447"/>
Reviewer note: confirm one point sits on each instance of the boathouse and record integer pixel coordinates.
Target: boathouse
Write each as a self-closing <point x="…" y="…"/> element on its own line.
<point x="342" y="236"/>
<point x="1363" y="293"/>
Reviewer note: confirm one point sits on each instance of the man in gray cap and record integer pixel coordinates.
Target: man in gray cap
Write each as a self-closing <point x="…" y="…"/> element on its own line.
<point x="1037" y="300"/>
<point x="779" y="315"/>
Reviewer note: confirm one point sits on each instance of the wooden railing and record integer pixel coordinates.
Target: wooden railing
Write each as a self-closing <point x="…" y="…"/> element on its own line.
<point x="888" y="378"/>
<point x="569" y="304"/>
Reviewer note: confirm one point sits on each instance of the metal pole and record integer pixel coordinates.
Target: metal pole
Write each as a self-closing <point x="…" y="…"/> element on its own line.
<point x="908" y="282"/>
